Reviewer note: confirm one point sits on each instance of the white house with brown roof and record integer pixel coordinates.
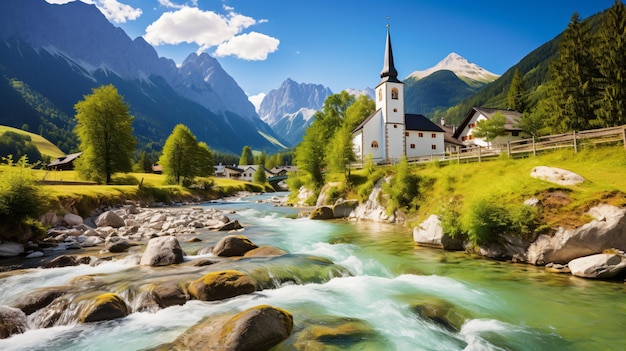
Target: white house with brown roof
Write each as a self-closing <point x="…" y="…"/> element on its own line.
<point x="465" y="131"/>
<point x="389" y="133"/>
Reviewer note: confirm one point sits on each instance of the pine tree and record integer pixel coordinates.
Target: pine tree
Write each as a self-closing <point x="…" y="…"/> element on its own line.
<point x="568" y="105"/>
<point x="259" y="175"/>
<point x="247" y="158"/>
<point x="517" y="96"/>
<point x="610" y="54"/>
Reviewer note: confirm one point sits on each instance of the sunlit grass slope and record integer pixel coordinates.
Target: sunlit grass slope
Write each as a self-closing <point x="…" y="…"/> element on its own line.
<point x="44" y="146"/>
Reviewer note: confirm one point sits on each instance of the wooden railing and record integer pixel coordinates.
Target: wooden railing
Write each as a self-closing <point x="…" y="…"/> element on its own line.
<point x="524" y="147"/>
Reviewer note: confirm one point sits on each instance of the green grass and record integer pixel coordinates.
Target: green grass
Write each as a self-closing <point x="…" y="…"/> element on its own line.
<point x="44" y="146"/>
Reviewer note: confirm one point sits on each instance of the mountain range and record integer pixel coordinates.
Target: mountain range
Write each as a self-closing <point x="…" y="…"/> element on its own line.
<point x="53" y="55"/>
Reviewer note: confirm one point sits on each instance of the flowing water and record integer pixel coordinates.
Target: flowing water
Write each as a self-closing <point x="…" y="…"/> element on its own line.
<point x="370" y="299"/>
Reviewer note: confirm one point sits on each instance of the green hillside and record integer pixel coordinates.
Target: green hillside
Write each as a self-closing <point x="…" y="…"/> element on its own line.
<point x="436" y="91"/>
<point x="44" y="146"/>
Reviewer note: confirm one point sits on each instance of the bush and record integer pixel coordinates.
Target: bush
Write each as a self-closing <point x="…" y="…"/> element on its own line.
<point x="486" y="221"/>
<point x="451" y="220"/>
<point x="403" y="190"/>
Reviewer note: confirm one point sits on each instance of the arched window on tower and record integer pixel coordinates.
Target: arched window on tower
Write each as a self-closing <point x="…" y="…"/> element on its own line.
<point x="374" y="144"/>
<point x="394" y="93"/>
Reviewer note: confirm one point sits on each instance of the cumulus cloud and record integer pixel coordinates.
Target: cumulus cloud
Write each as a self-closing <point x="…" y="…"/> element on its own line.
<point x="251" y="46"/>
<point x="113" y="10"/>
<point x="209" y="29"/>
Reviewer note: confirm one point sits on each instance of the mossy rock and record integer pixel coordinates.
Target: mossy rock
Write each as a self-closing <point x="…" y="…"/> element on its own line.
<point x="322" y="213"/>
<point x="221" y="285"/>
<point x="233" y="245"/>
<point x="441" y="312"/>
<point x="103" y="307"/>
<point x="338" y="334"/>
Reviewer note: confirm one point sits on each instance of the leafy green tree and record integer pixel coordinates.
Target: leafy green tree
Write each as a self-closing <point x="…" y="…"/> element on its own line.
<point x="339" y="152"/>
<point x="610" y="54"/>
<point x="261" y="158"/>
<point x="144" y="163"/>
<point x="531" y="124"/>
<point x="403" y="190"/>
<point x="104" y="128"/>
<point x="490" y="129"/>
<point x="18" y="145"/>
<point x="259" y="175"/>
<point x="568" y="105"/>
<point x="246" y="156"/>
<point x="517" y="94"/>
<point x="310" y="154"/>
<point x="184" y="158"/>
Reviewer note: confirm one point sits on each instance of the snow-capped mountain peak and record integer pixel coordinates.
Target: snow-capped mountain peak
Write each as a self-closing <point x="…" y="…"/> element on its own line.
<point x="460" y="66"/>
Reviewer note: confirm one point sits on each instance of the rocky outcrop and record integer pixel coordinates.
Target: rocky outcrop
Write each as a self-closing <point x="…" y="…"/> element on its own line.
<point x="233" y="245"/>
<point x="429" y="233"/>
<point x="344" y="208"/>
<point x="162" y="251"/>
<point x="322" y="213"/>
<point x="256" y="329"/>
<point x="556" y="175"/>
<point x="600" y="266"/>
<point x="221" y="285"/>
<point x="104" y="307"/>
<point x="323" y="198"/>
<point x="12" y="321"/>
<point x="372" y="209"/>
<point x="606" y="231"/>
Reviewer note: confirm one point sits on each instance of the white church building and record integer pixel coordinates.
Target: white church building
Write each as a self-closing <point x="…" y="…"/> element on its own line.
<point x="389" y="133"/>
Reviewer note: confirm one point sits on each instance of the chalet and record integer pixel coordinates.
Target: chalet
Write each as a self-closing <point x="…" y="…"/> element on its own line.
<point x="450" y="143"/>
<point x="283" y="170"/>
<point x="250" y="170"/>
<point x="465" y="131"/>
<point x="64" y="163"/>
<point x="388" y="134"/>
<point x="232" y="172"/>
<point x="157" y="169"/>
<point x="219" y="170"/>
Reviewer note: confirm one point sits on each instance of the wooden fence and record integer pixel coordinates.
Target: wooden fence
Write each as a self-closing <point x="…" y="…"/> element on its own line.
<point x="525" y="147"/>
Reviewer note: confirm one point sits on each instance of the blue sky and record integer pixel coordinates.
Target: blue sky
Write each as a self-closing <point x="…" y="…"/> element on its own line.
<point x="340" y="43"/>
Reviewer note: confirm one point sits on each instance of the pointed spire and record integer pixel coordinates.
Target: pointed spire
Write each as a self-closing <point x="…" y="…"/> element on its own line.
<point x="389" y="73"/>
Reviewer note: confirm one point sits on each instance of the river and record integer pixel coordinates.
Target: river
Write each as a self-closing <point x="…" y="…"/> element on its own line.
<point x="372" y="301"/>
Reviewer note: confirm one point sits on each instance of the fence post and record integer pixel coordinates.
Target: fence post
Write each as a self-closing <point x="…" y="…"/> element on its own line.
<point x="508" y="148"/>
<point x="458" y="152"/>
<point x="480" y="149"/>
<point x="624" y="135"/>
<point x="534" y="147"/>
<point x="575" y="144"/>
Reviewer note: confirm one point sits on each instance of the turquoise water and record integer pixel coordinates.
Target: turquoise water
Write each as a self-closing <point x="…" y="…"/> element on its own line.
<point x="370" y="302"/>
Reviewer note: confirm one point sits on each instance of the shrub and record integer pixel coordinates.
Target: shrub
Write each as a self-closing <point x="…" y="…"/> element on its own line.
<point x="486" y="221"/>
<point x="403" y="190"/>
<point x="451" y="220"/>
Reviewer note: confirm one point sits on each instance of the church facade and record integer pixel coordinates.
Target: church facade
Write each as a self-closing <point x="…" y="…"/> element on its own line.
<point x="389" y="133"/>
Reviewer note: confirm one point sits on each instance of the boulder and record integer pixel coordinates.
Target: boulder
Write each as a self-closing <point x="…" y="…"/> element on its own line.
<point x="602" y="233"/>
<point x="162" y="251"/>
<point x="600" y="266"/>
<point x="233" y="245"/>
<point x="440" y="312"/>
<point x="372" y="209"/>
<point x="429" y="233"/>
<point x="221" y="285"/>
<point x="117" y="244"/>
<point x="61" y="261"/>
<point x="348" y="332"/>
<point x="256" y="329"/>
<point x="12" y="321"/>
<point x="104" y="307"/>
<point x="169" y="294"/>
<point x="265" y="251"/>
<point x="109" y="219"/>
<point x="232" y="225"/>
<point x="323" y="212"/>
<point x="38" y="299"/>
<point x="344" y="208"/>
<point x="11" y="249"/>
<point x="556" y="175"/>
<point x="72" y="220"/>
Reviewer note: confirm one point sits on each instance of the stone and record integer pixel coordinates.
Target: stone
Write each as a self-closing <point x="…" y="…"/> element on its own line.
<point x="169" y="294"/>
<point x="35" y="254"/>
<point x="117" y="244"/>
<point x="440" y="312"/>
<point x="430" y="233"/>
<point x="61" y="261"/>
<point x="602" y="233"/>
<point x="72" y="220"/>
<point x="556" y="175"/>
<point x="221" y="285"/>
<point x="232" y="225"/>
<point x="233" y="245"/>
<point x="322" y="213"/>
<point x="11" y="249"/>
<point x="256" y="329"/>
<point x="12" y="321"/>
<point x="38" y="299"/>
<point x="109" y="219"/>
<point x="162" y="251"/>
<point x="600" y="266"/>
<point x="265" y="251"/>
<point x="104" y="307"/>
<point x="343" y="208"/>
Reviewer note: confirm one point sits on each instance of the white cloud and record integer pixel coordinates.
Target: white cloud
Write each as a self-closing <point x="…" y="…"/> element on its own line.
<point x="256" y="100"/>
<point x="208" y="29"/>
<point x="113" y="10"/>
<point x="169" y="4"/>
<point x="251" y="46"/>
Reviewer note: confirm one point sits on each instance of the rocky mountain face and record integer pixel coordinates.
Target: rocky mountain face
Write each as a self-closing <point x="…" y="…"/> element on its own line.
<point x="61" y="52"/>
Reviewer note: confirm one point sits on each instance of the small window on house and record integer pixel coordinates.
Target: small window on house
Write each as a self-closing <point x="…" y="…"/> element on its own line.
<point x="515" y="133"/>
<point x="374" y="144"/>
<point x="394" y="93"/>
<point x="434" y="135"/>
<point x="471" y="137"/>
<point x="395" y="110"/>
<point x="473" y="125"/>
<point x="420" y="134"/>
<point x="395" y="126"/>
<point x="406" y="133"/>
<point x="464" y="137"/>
<point x="412" y="146"/>
<point x="433" y="147"/>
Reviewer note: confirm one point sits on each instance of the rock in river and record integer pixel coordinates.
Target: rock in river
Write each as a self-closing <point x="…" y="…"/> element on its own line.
<point x="162" y="251"/>
<point x="221" y="285"/>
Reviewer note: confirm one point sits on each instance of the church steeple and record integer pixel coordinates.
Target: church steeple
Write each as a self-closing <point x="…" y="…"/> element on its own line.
<point x="389" y="73"/>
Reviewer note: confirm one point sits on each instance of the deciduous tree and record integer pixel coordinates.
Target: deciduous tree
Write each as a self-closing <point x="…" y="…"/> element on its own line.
<point x="490" y="129"/>
<point x="184" y="158"/>
<point x="104" y="128"/>
<point x="247" y="158"/>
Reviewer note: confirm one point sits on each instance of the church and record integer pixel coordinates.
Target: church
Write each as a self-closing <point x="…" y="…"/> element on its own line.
<point x="389" y="133"/>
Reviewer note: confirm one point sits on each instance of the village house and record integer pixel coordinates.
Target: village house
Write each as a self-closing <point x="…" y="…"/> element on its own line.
<point x="389" y="133"/>
<point x="250" y="170"/>
<point x="64" y="163"/>
<point x="465" y="131"/>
